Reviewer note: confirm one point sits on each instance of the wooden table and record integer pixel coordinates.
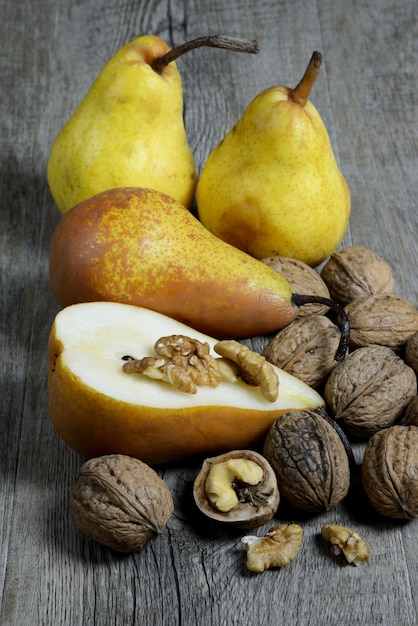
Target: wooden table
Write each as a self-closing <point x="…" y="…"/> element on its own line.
<point x="194" y="574"/>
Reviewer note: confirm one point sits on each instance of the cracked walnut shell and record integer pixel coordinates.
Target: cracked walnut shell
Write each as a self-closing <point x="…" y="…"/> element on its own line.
<point x="306" y="348"/>
<point x="310" y="461"/>
<point x="304" y="279"/>
<point x="120" y="502"/>
<point x="383" y="319"/>
<point x="389" y="472"/>
<point x="369" y="390"/>
<point x="356" y="272"/>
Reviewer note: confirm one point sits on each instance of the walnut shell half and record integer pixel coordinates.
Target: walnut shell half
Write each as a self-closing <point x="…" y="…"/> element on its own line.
<point x="256" y="504"/>
<point x="369" y="390"/>
<point x="389" y="472"/>
<point x="356" y="272"/>
<point x="310" y="461"/>
<point x="120" y="502"/>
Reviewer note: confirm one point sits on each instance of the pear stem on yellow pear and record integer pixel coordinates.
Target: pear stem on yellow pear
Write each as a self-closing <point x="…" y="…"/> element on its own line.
<point x="300" y="94"/>
<point x="234" y="44"/>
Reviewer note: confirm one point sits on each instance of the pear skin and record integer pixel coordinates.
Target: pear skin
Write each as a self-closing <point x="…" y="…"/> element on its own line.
<point x="141" y="247"/>
<point x="272" y="187"/>
<point x="127" y="131"/>
<point x="98" y="409"/>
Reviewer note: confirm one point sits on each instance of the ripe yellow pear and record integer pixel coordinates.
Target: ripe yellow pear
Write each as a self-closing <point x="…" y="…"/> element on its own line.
<point x="97" y="408"/>
<point x="129" y="130"/>
<point x="272" y="186"/>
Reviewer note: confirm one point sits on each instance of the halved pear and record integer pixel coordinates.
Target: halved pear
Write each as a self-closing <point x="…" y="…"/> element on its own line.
<point x="98" y="409"/>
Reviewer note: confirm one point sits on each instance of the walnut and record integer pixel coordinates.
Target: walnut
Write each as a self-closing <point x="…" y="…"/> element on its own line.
<point x="356" y="272"/>
<point x="120" y="502"/>
<point x="369" y="390"/>
<point x="306" y="348"/>
<point x="238" y="488"/>
<point x="181" y="361"/>
<point x="276" y="549"/>
<point x="389" y="472"/>
<point x="411" y="413"/>
<point x="411" y="352"/>
<point x="252" y="367"/>
<point x="304" y="279"/>
<point x="347" y="542"/>
<point x="310" y="460"/>
<point x="381" y="319"/>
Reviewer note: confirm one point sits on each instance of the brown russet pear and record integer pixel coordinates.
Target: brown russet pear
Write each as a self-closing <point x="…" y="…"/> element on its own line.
<point x="272" y="187"/>
<point x="128" y="130"/>
<point x="139" y="246"/>
<point x="97" y="408"/>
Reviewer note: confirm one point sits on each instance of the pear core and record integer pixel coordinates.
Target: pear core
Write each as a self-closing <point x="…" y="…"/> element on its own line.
<point x="98" y="409"/>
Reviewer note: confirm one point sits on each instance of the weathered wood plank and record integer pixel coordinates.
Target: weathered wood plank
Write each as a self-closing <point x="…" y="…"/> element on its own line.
<point x="194" y="574"/>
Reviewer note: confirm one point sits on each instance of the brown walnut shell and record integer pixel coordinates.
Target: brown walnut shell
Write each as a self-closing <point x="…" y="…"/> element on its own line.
<point x="411" y="413"/>
<point x="257" y="504"/>
<point x="356" y="272"/>
<point x="389" y="472"/>
<point x="304" y="279"/>
<point x="369" y="390"/>
<point x="120" y="502"/>
<point x="411" y="352"/>
<point x="310" y="461"/>
<point x="383" y="319"/>
<point x="306" y="348"/>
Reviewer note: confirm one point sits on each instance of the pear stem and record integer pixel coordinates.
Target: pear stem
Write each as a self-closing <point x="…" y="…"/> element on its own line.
<point x="214" y="41"/>
<point x="300" y="94"/>
<point x="298" y="299"/>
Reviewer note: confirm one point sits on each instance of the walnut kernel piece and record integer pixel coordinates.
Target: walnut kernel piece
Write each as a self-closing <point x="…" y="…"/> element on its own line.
<point x="354" y="548"/>
<point x="411" y="352"/>
<point x="384" y="319"/>
<point x="306" y="348"/>
<point x="389" y="472"/>
<point x="309" y="459"/>
<point x="181" y="361"/>
<point x="238" y="488"/>
<point x="356" y="272"/>
<point x="120" y="502"/>
<point x="369" y="390"/>
<point x="252" y="367"/>
<point x="304" y="279"/>
<point x="276" y="549"/>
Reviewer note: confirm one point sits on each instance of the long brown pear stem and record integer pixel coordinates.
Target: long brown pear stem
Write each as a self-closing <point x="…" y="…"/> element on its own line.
<point x="214" y="41"/>
<point x="300" y="94"/>
<point x="298" y="299"/>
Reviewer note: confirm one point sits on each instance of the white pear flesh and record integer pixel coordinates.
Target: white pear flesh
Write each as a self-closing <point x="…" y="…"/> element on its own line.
<point x="97" y="408"/>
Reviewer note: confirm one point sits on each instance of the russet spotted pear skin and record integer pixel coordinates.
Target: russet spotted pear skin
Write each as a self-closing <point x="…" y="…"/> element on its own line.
<point x="139" y="246"/>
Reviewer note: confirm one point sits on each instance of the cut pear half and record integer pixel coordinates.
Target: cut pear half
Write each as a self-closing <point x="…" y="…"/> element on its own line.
<point x="98" y="409"/>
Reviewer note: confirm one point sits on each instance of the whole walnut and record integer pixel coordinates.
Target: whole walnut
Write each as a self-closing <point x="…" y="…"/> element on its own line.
<point x="389" y="472"/>
<point x="120" y="502"/>
<point x="304" y="279"/>
<point x="411" y="413"/>
<point x="411" y="352"/>
<point x="356" y="272"/>
<point x="381" y="319"/>
<point x="306" y="348"/>
<point x="309" y="459"/>
<point x="369" y="390"/>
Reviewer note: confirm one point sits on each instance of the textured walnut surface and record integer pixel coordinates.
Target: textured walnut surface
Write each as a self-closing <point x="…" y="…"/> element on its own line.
<point x="309" y="459"/>
<point x="369" y="390"/>
<point x="411" y="352"/>
<point x="356" y="272"/>
<point x="390" y="471"/>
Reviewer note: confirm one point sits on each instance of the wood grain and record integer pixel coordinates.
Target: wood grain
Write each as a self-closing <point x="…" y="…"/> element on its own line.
<point x="194" y="574"/>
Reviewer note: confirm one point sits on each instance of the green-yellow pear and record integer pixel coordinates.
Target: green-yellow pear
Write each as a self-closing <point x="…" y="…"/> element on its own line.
<point x="128" y="130"/>
<point x="97" y="407"/>
<point x="272" y="187"/>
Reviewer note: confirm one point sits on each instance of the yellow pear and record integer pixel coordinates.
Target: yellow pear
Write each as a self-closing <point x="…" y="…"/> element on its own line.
<point x="128" y="130"/>
<point x="272" y="186"/>
<point x="98" y="408"/>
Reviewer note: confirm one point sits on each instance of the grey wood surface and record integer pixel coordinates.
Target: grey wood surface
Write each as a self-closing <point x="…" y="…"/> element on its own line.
<point x="194" y="574"/>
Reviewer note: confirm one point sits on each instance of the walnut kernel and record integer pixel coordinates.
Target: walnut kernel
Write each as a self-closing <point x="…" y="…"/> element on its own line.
<point x="354" y="548"/>
<point x="276" y="549"/>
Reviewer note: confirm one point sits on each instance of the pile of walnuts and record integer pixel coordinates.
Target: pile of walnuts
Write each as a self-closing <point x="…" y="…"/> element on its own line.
<point x="372" y="393"/>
